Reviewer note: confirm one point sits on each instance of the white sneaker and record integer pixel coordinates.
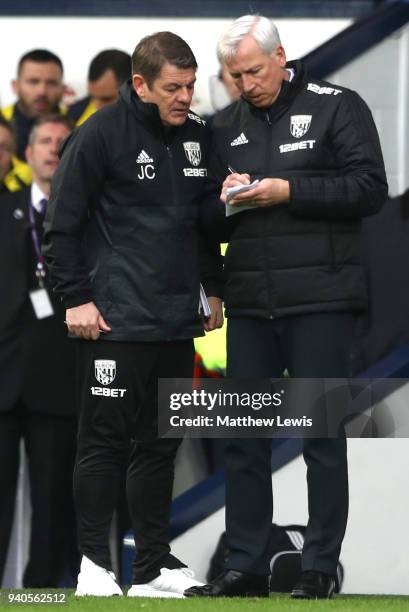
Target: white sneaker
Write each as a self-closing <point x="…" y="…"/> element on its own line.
<point x="170" y="583"/>
<point x="95" y="580"/>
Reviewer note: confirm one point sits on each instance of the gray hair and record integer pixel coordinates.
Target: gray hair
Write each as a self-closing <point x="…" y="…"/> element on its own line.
<point x="261" y="29"/>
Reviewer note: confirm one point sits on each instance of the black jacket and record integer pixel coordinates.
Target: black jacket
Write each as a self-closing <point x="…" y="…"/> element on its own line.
<point x="37" y="362"/>
<point x="122" y="221"/>
<point x="76" y="110"/>
<point x="302" y="256"/>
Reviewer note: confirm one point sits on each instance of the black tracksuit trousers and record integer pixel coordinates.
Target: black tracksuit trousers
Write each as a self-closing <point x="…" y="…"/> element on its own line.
<point x="308" y="346"/>
<point x="118" y="427"/>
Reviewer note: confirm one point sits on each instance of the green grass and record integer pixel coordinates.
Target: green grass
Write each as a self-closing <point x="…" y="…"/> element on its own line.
<point x="276" y="603"/>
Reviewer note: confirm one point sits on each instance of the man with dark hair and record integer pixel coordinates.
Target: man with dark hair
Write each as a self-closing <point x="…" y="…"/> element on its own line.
<point x="122" y="246"/>
<point x="7" y="148"/>
<point x="39" y="89"/>
<point x="61" y="120"/>
<point x="36" y="375"/>
<point x="152" y="53"/>
<point x="107" y="72"/>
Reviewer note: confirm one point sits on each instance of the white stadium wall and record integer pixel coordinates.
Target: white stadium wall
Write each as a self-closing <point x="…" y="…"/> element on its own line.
<point x="381" y="76"/>
<point x="77" y="40"/>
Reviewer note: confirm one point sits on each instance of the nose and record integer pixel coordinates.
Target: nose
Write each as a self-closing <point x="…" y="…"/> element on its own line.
<point x="247" y="83"/>
<point x="42" y="88"/>
<point x="55" y="146"/>
<point x="185" y="95"/>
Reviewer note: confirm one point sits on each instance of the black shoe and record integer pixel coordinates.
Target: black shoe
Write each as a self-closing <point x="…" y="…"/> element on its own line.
<point x="233" y="583"/>
<point x="314" y="585"/>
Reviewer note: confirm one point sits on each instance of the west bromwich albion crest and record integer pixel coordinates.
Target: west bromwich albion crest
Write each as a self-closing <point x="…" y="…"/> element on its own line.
<point x="300" y="124"/>
<point x="193" y="152"/>
<point x="105" y="370"/>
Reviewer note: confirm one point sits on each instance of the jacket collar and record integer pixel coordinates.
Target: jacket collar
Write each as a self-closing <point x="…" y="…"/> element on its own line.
<point x="144" y="111"/>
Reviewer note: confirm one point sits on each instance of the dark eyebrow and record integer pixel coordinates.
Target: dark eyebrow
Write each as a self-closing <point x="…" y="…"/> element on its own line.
<point x="180" y="85"/>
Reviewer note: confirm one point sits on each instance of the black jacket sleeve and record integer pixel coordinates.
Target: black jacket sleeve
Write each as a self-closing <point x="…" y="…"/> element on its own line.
<point x="74" y="192"/>
<point x="359" y="187"/>
<point x="211" y="222"/>
<point x="210" y="258"/>
<point x="211" y="268"/>
<point x="214" y="218"/>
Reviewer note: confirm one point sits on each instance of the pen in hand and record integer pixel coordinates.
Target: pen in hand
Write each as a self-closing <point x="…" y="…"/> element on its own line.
<point x="233" y="171"/>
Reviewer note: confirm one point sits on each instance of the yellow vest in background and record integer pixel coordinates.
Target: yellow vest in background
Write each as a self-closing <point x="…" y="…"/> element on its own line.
<point x="89" y="110"/>
<point x="19" y="176"/>
<point x="8" y="111"/>
<point x="212" y="347"/>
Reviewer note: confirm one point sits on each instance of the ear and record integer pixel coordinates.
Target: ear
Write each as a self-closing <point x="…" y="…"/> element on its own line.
<point x="14" y="86"/>
<point x="280" y="56"/>
<point x="139" y="85"/>
<point x="29" y="154"/>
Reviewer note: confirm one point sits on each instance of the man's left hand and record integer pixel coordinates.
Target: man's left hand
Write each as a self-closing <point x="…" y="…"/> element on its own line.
<point x="216" y="318"/>
<point x="268" y="192"/>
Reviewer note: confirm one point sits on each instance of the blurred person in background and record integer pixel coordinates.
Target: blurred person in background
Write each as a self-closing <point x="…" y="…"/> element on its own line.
<point x="294" y="281"/>
<point x="107" y="72"/>
<point x="37" y="401"/>
<point x="7" y="148"/>
<point x="14" y="174"/>
<point x="122" y="245"/>
<point x="223" y="89"/>
<point x="39" y="89"/>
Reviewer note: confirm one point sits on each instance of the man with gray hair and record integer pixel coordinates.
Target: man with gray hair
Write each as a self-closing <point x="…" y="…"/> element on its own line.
<point x="294" y="282"/>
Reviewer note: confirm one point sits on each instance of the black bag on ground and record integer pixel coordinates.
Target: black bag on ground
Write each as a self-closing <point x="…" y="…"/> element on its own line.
<point x="286" y="544"/>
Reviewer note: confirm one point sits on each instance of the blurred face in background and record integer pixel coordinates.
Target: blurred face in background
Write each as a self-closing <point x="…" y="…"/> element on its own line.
<point x="258" y="75"/>
<point x="230" y="84"/>
<point x="104" y="90"/>
<point x="39" y="88"/>
<point x="6" y="151"/>
<point x="172" y="92"/>
<point x="42" y="152"/>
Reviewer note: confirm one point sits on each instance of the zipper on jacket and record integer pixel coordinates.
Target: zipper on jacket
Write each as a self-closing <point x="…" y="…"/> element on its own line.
<point x="172" y="172"/>
<point x="267" y="159"/>
<point x="174" y="200"/>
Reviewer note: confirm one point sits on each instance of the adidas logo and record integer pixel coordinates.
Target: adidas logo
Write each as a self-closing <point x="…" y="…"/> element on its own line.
<point x="143" y="158"/>
<point x="240" y="140"/>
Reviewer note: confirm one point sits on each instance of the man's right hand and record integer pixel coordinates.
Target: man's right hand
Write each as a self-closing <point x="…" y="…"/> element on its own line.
<point x="86" y="321"/>
<point x="233" y="180"/>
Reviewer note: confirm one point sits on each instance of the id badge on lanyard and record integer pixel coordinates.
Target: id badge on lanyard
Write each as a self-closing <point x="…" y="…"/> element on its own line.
<point x="39" y="297"/>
